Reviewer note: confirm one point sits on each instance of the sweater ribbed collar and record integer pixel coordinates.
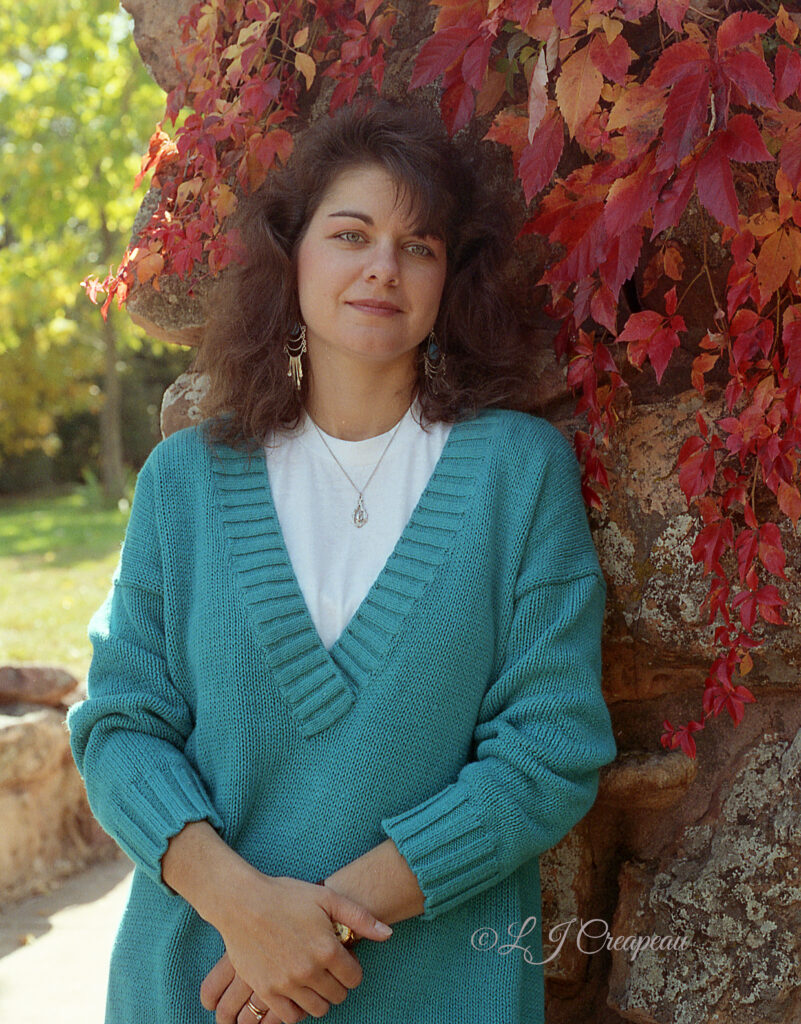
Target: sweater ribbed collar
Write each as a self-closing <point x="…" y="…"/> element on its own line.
<point x="319" y="685"/>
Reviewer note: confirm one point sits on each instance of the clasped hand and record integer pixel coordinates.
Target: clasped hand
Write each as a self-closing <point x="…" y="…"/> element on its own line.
<point x="283" y="954"/>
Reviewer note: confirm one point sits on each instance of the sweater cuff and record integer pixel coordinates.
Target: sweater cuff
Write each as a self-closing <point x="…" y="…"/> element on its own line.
<point x="155" y="808"/>
<point x="447" y="848"/>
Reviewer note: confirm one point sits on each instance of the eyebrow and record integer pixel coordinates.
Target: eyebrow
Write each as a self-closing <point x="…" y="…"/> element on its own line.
<point x="369" y="220"/>
<point x="353" y="213"/>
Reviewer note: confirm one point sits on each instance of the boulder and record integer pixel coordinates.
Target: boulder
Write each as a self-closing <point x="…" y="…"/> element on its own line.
<point x="35" y="684"/>
<point x="48" y="829"/>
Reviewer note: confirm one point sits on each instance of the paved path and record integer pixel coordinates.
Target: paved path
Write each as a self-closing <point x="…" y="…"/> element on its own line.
<point x="54" y="948"/>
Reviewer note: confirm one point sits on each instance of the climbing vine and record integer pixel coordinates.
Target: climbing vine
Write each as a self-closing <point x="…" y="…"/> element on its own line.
<point x="649" y="107"/>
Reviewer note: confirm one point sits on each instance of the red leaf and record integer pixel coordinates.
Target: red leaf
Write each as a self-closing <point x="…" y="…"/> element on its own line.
<point x="716" y="186"/>
<point x="661" y="348"/>
<point x="457" y="105"/>
<point x="561" y="13"/>
<point x="678" y="60"/>
<point x="742" y="141"/>
<point x="630" y="196"/>
<point x="789" y="502"/>
<point x="673" y="199"/>
<point x="770" y="601"/>
<point x="603" y="308"/>
<point x="746" y="602"/>
<point x="439" y="52"/>
<point x="790" y="157"/>
<point x="751" y="75"/>
<point x="746" y="546"/>
<point x="771" y="549"/>
<point x="788" y="72"/>
<point x="791" y="339"/>
<point x="696" y="468"/>
<point x="641" y="326"/>
<point x="740" y="27"/>
<point x="539" y="160"/>
<point x="611" y="59"/>
<point x="475" y="60"/>
<point x="622" y="256"/>
<point x="672" y="12"/>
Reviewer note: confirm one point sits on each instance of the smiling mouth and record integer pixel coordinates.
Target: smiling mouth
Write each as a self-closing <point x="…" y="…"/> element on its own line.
<point x="381" y="308"/>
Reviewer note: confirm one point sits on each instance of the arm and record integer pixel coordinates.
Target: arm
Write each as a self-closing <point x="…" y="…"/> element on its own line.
<point x="129" y="739"/>
<point x="543" y="730"/>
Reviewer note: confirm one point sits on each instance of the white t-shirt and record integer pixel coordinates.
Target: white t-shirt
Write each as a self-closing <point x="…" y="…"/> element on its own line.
<point x="336" y="562"/>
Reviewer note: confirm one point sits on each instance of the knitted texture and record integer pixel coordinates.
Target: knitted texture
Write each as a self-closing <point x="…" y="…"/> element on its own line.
<point x="459" y="713"/>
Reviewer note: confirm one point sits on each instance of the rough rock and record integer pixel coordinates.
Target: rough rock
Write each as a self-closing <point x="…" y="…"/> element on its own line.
<point x="657" y="638"/>
<point x="35" y="684"/>
<point x="182" y="405"/>
<point x="645" y="780"/>
<point x="48" y="830"/>
<point x="158" y="37"/>
<point x="729" y="895"/>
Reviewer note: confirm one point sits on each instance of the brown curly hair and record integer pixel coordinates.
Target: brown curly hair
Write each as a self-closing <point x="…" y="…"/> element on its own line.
<point x="255" y="306"/>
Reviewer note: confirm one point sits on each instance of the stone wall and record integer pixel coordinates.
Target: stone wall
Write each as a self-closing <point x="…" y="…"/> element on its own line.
<point x="47" y="831"/>
<point x="685" y="873"/>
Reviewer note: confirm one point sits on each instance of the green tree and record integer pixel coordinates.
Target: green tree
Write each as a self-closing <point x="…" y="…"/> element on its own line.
<point x="76" y="111"/>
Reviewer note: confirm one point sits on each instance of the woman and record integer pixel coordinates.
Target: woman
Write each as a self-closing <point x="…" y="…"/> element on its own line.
<point x="354" y="633"/>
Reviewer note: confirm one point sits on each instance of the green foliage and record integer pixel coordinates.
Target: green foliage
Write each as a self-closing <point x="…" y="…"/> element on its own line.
<point x="76" y="109"/>
<point x="57" y="555"/>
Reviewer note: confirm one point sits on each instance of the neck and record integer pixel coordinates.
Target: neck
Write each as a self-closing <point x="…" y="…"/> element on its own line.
<point x="363" y="402"/>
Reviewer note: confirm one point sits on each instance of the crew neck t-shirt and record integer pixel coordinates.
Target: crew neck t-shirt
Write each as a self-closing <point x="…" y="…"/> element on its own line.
<point x="336" y="562"/>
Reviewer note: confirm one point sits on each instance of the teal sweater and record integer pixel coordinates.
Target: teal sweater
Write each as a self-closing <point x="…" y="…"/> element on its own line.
<point x="460" y="714"/>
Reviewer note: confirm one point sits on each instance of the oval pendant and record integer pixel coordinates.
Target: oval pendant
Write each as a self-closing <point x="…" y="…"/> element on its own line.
<point x="360" y="514"/>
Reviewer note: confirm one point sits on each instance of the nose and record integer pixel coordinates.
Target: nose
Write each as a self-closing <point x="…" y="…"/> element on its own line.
<point x="382" y="264"/>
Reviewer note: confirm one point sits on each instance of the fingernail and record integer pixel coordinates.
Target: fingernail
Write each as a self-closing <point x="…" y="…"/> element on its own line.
<point x="382" y="929"/>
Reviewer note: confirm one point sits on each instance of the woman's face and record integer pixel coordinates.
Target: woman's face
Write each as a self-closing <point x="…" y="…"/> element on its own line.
<point x="369" y="286"/>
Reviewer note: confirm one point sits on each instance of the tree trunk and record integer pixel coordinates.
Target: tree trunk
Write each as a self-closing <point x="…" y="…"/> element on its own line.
<point x="112" y="468"/>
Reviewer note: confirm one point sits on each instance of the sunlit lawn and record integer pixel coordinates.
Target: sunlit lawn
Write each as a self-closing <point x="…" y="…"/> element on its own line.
<point x="57" y="554"/>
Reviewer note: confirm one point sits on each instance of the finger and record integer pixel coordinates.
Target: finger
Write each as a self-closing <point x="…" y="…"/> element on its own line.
<point x="343" y="969"/>
<point x="216" y="982"/>
<point x="247" y="1015"/>
<point x="273" y="1018"/>
<point x="357" y="917"/>
<point x="291" y="1011"/>
<point x="235" y="997"/>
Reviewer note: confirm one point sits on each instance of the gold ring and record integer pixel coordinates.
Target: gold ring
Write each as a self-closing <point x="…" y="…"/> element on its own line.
<point x="257" y="1013"/>
<point x="345" y="934"/>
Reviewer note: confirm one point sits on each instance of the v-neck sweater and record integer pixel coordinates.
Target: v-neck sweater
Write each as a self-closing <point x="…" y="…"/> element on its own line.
<point x="459" y="714"/>
<point x="315" y="481"/>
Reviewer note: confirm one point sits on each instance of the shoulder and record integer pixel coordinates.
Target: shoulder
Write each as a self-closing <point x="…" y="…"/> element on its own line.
<point x="530" y="445"/>
<point x="181" y="458"/>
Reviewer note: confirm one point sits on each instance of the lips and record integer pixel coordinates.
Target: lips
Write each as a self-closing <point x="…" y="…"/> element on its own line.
<point x="374" y="306"/>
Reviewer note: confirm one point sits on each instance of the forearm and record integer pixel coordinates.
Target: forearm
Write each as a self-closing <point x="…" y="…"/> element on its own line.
<point x="202" y="868"/>
<point x="381" y="881"/>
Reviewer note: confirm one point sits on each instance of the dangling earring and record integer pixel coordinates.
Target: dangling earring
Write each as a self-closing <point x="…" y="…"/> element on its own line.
<point x="295" y="347"/>
<point x="434" y="362"/>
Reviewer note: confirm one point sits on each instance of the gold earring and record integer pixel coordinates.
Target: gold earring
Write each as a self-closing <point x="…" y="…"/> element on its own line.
<point x="295" y="347"/>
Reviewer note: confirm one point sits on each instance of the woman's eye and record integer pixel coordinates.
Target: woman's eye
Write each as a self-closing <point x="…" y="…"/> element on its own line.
<point x="350" y="236"/>
<point x="418" y="249"/>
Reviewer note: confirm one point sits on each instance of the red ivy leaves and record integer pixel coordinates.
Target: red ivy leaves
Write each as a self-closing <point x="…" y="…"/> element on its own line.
<point x="248" y="62"/>
<point x="708" y="106"/>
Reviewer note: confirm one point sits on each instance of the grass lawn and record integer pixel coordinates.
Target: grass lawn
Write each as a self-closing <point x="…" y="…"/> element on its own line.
<point x="57" y="554"/>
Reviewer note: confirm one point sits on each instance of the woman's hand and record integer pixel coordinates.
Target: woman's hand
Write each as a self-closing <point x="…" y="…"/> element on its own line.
<point x="284" y="954"/>
<point x="226" y="993"/>
<point x="278" y="932"/>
